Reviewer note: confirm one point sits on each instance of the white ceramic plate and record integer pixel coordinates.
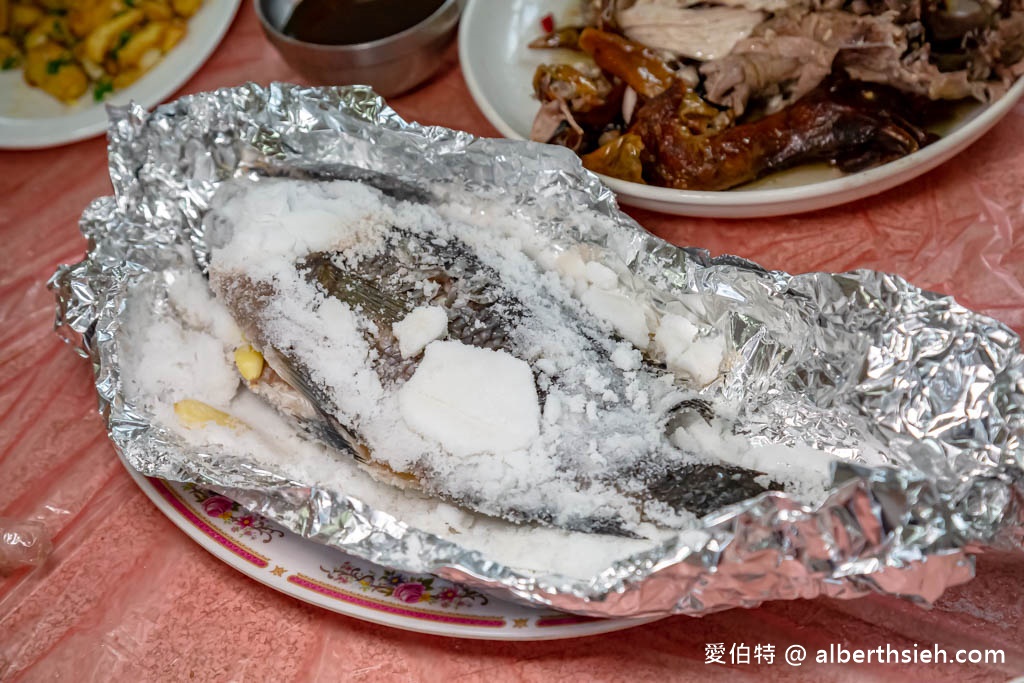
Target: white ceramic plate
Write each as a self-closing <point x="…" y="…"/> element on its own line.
<point x="345" y="584"/>
<point x="498" y="68"/>
<point x="30" y="118"/>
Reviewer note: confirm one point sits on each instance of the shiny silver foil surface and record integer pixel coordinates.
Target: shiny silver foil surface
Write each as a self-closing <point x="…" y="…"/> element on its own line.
<point x="832" y="360"/>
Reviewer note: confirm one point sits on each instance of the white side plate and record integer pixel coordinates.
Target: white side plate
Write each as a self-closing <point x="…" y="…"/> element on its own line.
<point x="498" y="68"/>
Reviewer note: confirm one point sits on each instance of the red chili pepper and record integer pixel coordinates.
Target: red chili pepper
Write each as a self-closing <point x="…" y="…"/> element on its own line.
<point x="547" y="23"/>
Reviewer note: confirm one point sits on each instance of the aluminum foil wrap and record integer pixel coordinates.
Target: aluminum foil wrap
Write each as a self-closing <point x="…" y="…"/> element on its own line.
<point x="832" y="360"/>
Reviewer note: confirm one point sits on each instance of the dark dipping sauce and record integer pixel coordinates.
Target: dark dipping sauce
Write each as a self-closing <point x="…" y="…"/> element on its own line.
<point x="348" y="22"/>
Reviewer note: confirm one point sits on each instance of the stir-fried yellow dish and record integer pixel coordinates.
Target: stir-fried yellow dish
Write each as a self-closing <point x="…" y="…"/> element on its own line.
<point x="69" y="47"/>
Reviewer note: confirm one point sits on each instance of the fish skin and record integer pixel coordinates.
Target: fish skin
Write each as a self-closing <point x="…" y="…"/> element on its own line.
<point x="388" y="286"/>
<point x="705" y="488"/>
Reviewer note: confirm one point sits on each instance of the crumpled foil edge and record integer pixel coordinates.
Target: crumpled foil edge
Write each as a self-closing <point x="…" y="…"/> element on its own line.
<point x="906" y="531"/>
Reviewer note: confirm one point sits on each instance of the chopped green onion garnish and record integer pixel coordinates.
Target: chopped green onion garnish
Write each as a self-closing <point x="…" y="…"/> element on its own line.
<point x="54" y="65"/>
<point x="100" y="90"/>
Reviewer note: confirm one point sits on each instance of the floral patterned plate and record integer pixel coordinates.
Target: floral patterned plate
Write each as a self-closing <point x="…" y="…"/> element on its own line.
<point x="331" y="579"/>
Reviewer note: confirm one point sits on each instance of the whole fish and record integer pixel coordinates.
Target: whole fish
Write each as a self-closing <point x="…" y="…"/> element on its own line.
<point x="600" y="460"/>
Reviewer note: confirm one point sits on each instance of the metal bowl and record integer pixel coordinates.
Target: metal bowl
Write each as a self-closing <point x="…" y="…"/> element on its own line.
<point x="392" y="65"/>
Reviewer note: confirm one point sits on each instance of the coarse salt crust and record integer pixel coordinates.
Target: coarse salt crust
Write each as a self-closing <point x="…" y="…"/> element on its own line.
<point x="471" y="400"/>
<point x="421" y="326"/>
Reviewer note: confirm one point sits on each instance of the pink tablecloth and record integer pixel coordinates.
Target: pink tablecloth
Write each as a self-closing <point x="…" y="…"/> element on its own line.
<point x="125" y="595"/>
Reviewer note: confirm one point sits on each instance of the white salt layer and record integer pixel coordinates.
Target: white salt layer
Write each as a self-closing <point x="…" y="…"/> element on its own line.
<point x="805" y="471"/>
<point x="685" y="353"/>
<point x="789" y="462"/>
<point x="601" y="276"/>
<point x="471" y="400"/>
<point x="621" y="312"/>
<point x="420" y="327"/>
<point x="626" y="358"/>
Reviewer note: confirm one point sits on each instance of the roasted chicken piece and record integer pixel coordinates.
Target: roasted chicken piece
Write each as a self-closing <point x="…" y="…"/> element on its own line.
<point x="582" y="89"/>
<point x="638" y="66"/>
<point x="619" y="158"/>
<point x="578" y="102"/>
<point x="585" y="106"/>
<point x="852" y="128"/>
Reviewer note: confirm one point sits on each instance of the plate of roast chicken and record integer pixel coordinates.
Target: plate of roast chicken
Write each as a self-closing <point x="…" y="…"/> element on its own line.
<point x="746" y="108"/>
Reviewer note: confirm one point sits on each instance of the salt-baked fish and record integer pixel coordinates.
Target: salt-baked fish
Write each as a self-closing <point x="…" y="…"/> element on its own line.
<point x="445" y="358"/>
